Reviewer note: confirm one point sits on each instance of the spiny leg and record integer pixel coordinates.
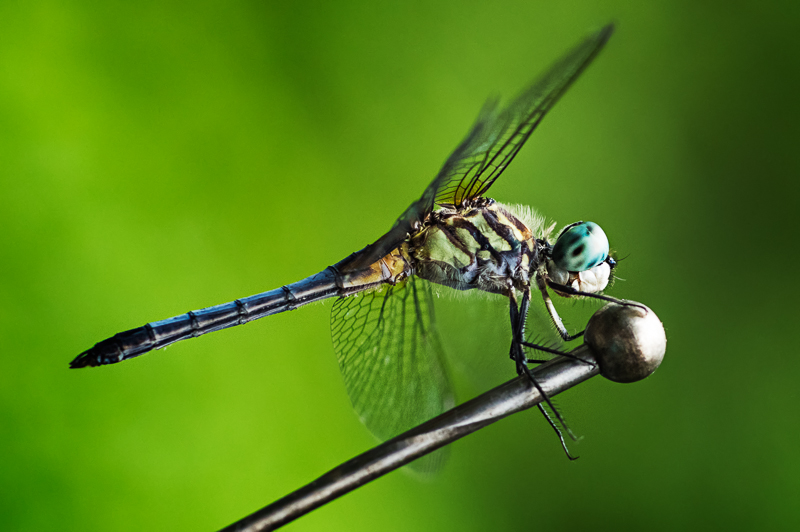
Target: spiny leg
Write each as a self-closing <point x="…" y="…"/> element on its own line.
<point x="552" y="351"/>
<point x="517" y="330"/>
<point x="560" y="435"/>
<point x="518" y="318"/>
<point x="551" y="309"/>
<point x="571" y="291"/>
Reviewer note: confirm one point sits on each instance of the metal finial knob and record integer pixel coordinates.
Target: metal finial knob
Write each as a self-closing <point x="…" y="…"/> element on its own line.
<point x="628" y="341"/>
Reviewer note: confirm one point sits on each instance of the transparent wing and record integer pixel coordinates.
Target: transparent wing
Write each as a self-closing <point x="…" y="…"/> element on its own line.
<point x="488" y="149"/>
<point x="391" y="357"/>
<point x="497" y="136"/>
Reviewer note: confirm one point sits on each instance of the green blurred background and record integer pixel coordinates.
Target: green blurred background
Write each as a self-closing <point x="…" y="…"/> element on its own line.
<point x="157" y="157"/>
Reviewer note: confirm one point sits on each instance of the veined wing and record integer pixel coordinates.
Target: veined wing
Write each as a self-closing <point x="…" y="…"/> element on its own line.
<point x="391" y="357"/>
<point x="488" y="149"/>
<point x="497" y="137"/>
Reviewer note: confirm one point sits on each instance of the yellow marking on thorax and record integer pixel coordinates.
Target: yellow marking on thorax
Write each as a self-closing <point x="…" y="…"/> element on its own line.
<point x="502" y="217"/>
<point x="495" y="240"/>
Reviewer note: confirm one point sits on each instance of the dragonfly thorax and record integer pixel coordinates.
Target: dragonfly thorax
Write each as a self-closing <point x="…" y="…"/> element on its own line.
<point x="480" y="245"/>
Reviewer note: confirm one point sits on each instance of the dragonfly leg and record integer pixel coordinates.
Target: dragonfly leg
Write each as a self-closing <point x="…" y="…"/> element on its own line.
<point x="519" y="315"/>
<point x="551" y="309"/>
<point x="546" y="349"/>
<point x="560" y="435"/>
<point x="515" y="353"/>
<point x="571" y="291"/>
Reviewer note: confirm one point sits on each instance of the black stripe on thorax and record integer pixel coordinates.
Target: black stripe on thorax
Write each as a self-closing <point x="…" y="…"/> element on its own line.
<point x="459" y="222"/>
<point x="502" y="230"/>
<point x="452" y="237"/>
<point x="521" y="227"/>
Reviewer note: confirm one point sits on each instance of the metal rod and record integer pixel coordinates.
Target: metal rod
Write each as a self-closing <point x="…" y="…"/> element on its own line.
<point x="625" y="342"/>
<point x="513" y="396"/>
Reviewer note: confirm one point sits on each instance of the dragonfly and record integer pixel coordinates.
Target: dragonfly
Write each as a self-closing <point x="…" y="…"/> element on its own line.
<point x="382" y="322"/>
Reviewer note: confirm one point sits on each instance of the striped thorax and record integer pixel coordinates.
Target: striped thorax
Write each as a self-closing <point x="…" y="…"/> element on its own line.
<point x="482" y="245"/>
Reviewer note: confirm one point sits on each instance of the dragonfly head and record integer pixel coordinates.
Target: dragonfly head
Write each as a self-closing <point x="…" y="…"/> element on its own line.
<point x="579" y="259"/>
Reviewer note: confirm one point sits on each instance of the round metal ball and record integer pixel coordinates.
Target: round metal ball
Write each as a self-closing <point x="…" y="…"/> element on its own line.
<point x="628" y="341"/>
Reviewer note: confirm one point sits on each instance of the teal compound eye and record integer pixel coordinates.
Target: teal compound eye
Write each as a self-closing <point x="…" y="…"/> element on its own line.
<point x="580" y="247"/>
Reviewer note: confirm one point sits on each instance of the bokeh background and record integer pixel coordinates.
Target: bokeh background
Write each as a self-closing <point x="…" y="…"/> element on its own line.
<point x="157" y="157"/>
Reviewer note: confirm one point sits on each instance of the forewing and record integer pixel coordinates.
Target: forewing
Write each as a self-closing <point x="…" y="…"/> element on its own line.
<point x="391" y="357"/>
<point x="497" y="136"/>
